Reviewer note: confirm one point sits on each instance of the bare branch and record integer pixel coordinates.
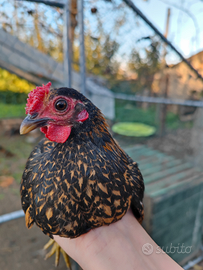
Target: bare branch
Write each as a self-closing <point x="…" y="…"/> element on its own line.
<point x="186" y="11"/>
<point x="136" y="10"/>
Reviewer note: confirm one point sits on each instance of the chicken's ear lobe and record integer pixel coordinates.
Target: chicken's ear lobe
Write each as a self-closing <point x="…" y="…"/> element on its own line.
<point x="82" y="116"/>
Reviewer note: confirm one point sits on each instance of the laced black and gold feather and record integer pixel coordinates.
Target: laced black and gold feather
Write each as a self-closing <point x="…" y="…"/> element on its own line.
<point x="87" y="182"/>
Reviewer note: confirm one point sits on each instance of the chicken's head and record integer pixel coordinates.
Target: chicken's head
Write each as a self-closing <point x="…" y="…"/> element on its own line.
<point x="55" y="111"/>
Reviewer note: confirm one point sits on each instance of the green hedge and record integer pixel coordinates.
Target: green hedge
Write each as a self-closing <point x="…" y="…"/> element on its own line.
<point x="9" y="97"/>
<point x="12" y="110"/>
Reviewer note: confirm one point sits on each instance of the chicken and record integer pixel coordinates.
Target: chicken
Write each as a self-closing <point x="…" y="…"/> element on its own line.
<point x="77" y="178"/>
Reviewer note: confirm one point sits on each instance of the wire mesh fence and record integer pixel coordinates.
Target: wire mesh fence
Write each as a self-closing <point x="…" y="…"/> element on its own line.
<point x="142" y="81"/>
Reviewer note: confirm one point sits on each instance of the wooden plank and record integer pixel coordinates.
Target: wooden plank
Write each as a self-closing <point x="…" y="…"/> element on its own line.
<point x="187" y="190"/>
<point x="171" y="173"/>
<point x="21" y="73"/>
<point x="137" y="152"/>
<point x="26" y="51"/>
<point x="133" y="147"/>
<point x="14" y="58"/>
<point x="168" y="185"/>
<point x="160" y="166"/>
<point x="145" y="156"/>
<point x="154" y="161"/>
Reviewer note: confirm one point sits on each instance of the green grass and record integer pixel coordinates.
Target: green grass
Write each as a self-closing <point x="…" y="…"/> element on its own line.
<point x="127" y="111"/>
<point x="12" y="110"/>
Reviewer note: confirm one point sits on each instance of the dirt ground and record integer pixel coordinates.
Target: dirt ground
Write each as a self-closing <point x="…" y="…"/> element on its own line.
<point x="22" y="248"/>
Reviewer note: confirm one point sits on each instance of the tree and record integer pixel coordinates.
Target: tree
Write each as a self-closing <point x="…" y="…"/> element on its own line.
<point x="146" y="63"/>
<point x="32" y="25"/>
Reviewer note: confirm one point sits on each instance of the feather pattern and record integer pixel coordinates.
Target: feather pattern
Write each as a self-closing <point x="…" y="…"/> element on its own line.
<point x="88" y="181"/>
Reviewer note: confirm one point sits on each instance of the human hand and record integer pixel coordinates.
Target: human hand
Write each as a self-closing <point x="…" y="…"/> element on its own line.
<point x="116" y="247"/>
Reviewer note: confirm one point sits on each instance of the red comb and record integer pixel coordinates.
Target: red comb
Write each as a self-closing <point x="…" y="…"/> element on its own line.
<point x="36" y="97"/>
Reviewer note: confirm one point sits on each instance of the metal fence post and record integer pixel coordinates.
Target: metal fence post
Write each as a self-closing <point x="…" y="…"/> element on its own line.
<point x="67" y="59"/>
<point x="82" y="45"/>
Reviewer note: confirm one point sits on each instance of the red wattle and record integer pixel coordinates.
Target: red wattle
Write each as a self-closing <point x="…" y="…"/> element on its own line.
<point x="57" y="133"/>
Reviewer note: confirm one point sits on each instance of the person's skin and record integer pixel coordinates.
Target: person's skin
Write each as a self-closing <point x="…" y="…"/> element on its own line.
<point x="117" y="247"/>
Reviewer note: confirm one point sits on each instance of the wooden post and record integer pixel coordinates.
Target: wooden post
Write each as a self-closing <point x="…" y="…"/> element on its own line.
<point x="167" y="22"/>
<point x="163" y="107"/>
<point x="163" y="111"/>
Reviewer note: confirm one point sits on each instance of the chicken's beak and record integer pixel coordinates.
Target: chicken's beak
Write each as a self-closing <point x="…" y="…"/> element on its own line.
<point x="30" y="124"/>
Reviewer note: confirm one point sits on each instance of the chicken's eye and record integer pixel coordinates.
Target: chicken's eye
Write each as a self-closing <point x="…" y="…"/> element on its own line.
<point x="61" y="105"/>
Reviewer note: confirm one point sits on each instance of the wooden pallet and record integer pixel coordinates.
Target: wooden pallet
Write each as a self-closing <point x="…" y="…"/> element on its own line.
<point x="173" y="201"/>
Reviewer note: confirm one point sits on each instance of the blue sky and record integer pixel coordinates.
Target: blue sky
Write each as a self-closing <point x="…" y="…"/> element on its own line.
<point x="182" y="31"/>
<point x="187" y="38"/>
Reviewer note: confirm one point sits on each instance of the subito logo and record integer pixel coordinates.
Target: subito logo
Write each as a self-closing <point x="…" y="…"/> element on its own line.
<point x="147" y="249"/>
